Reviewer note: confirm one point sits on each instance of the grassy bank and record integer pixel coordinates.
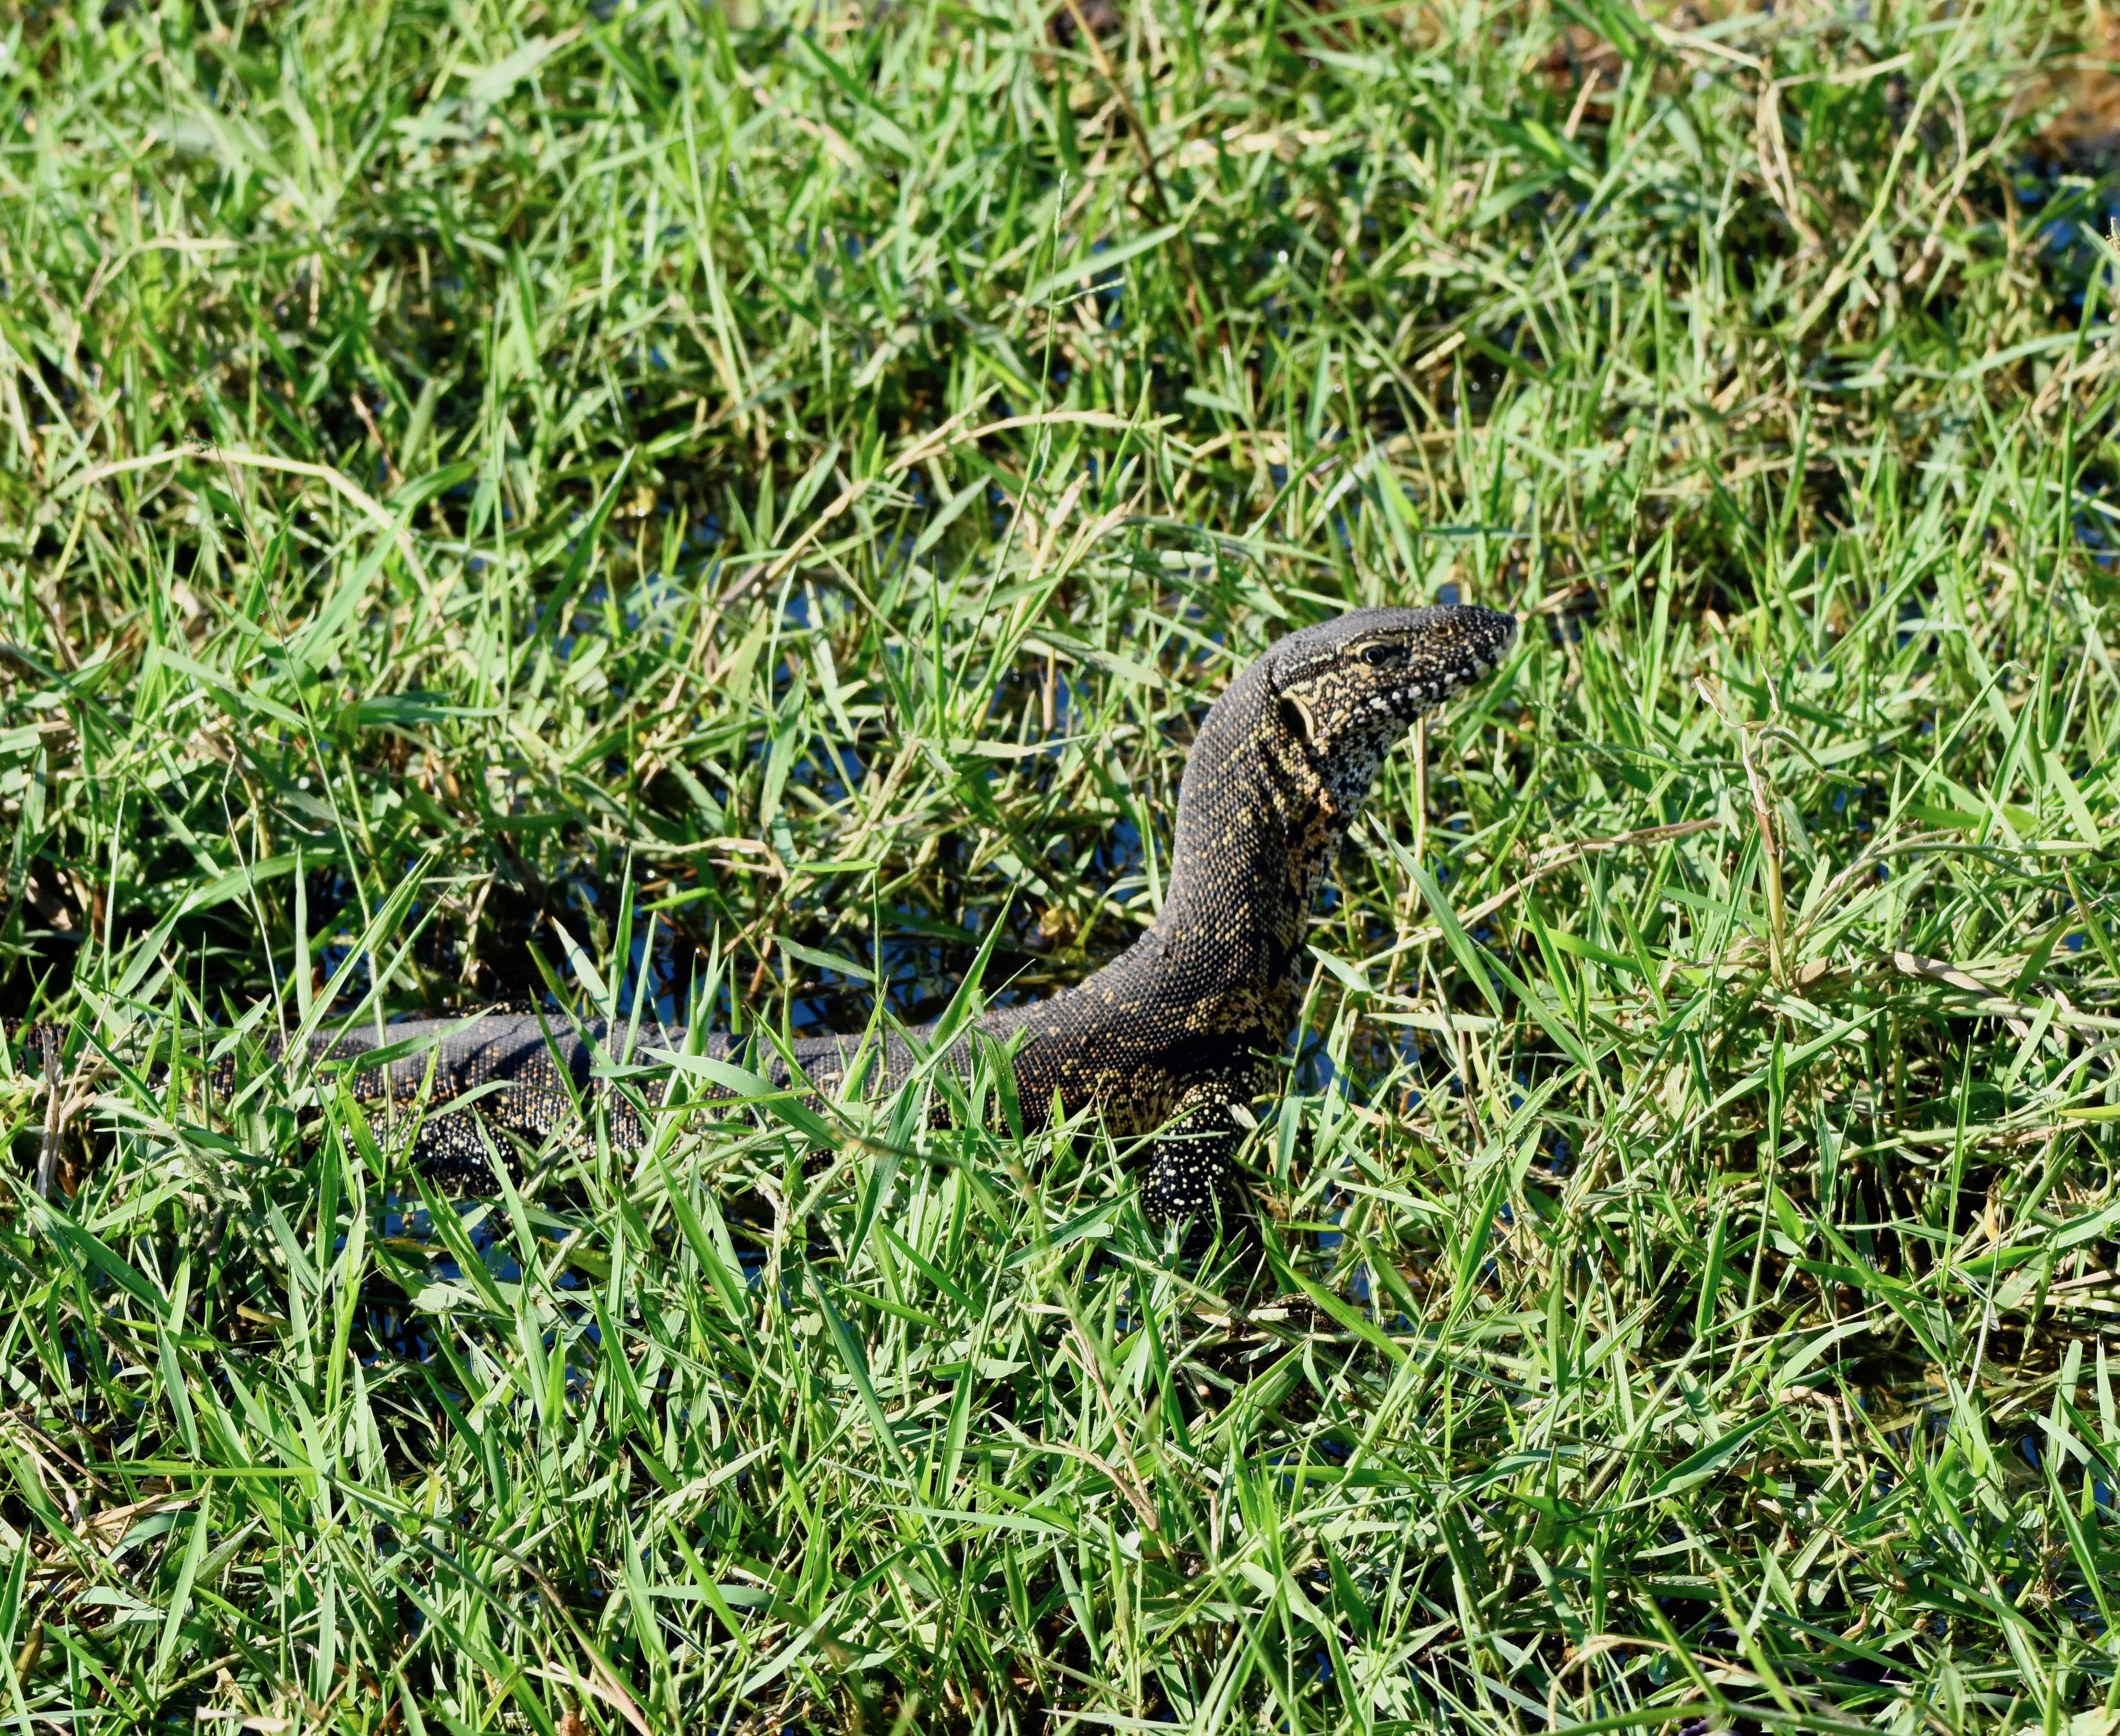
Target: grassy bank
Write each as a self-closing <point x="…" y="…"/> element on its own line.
<point x="717" y="512"/>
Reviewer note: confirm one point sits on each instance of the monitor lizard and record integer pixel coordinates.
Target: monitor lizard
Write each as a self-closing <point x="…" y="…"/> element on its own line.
<point x="1172" y="1038"/>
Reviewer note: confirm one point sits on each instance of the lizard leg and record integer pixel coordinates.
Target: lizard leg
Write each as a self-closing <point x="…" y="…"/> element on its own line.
<point x="1190" y="1174"/>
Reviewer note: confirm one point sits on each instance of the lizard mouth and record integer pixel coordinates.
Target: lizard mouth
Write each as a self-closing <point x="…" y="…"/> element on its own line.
<point x="1416" y="698"/>
<point x="1479" y="662"/>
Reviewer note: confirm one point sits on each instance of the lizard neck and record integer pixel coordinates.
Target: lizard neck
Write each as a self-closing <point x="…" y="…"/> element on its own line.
<point x="1259" y="823"/>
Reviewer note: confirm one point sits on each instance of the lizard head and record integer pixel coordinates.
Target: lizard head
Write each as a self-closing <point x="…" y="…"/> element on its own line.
<point x="1348" y="688"/>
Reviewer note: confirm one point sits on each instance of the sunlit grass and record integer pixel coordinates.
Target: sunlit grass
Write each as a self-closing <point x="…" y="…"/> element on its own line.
<point x="623" y="509"/>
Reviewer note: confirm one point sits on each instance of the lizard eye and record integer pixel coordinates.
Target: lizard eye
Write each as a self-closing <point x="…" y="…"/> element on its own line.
<point x="1377" y="654"/>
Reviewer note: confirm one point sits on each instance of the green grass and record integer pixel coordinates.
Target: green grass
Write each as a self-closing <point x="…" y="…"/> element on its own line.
<point x="495" y="497"/>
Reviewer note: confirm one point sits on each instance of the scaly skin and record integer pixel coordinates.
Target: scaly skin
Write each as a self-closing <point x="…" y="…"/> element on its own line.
<point x="1173" y="1035"/>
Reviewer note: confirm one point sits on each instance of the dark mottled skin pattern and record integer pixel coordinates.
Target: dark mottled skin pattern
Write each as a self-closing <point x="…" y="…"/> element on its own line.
<point x="1175" y="1034"/>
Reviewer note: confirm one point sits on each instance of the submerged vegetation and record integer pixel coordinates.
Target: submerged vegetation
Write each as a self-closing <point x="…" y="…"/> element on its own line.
<point x="731" y="515"/>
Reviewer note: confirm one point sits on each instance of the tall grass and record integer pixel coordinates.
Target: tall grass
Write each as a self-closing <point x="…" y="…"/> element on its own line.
<point x="716" y="515"/>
